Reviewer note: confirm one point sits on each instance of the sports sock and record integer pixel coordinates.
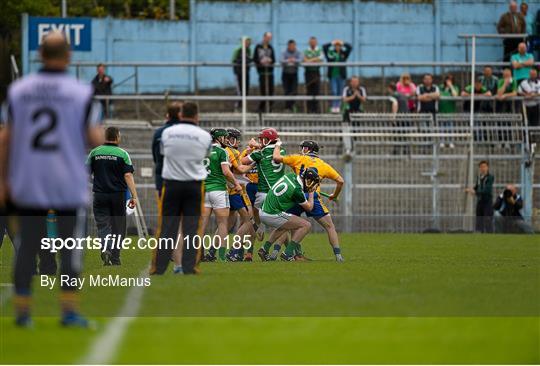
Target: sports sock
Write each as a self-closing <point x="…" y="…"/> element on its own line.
<point x="212" y="252"/>
<point x="291" y="247"/>
<point x="298" y="249"/>
<point x="267" y="246"/>
<point x="22" y="305"/>
<point x="337" y="250"/>
<point x="221" y="253"/>
<point x="69" y="301"/>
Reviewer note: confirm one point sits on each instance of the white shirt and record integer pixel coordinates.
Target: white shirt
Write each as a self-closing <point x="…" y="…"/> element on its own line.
<point x="184" y="146"/>
<point x="530" y="86"/>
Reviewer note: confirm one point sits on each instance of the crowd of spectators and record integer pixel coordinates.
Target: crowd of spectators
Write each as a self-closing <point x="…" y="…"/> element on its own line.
<point x="519" y="78"/>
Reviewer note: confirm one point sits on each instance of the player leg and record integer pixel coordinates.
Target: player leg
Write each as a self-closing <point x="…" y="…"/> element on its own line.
<point x="328" y="224"/>
<point x="283" y="223"/>
<point x="32" y="228"/>
<point x="205" y="218"/>
<point x="222" y="216"/>
<point x="71" y="224"/>
<point x="47" y="260"/>
<point x="283" y="239"/>
<point x="259" y="200"/>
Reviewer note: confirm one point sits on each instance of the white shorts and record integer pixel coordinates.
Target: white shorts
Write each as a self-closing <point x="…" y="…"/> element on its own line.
<point x="217" y="199"/>
<point x="259" y="199"/>
<point x="274" y="220"/>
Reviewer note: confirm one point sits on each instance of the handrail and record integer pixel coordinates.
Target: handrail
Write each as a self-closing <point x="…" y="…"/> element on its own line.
<point x="279" y="97"/>
<point x="493" y="35"/>
<point x="277" y="65"/>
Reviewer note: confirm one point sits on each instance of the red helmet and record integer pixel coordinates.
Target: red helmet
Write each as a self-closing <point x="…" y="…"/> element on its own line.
<point x="268" y="134"/>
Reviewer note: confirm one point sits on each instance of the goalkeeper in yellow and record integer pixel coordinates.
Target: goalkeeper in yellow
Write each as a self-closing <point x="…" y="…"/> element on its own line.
<point x="309" y="159"/>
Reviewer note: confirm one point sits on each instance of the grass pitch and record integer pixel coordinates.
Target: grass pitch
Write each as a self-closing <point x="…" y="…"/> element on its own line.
<point x="398" y="299"/>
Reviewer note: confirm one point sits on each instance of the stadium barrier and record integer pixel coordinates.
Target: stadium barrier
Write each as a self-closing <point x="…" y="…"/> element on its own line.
<point x="399" y="177"/>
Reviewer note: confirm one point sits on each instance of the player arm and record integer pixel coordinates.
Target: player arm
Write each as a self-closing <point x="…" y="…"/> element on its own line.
<point x="308" y="204"/>
<point x="4" y="148"/>
<point x="5" y="137"/>
<point x="339" y="186"/>
<point x="227" y="172"/>
<point x="276" y="155"/>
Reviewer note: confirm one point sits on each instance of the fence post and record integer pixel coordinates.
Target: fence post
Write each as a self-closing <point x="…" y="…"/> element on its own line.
<point x="192" y="41"/>
<point x="137" y="106"/>
<point x="348" y="158"/>
<point x="527" y="178"/>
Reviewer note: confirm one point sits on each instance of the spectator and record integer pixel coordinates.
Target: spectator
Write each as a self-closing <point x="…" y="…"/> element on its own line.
<point x="428" y="95"/>
<point x="265" y="58"/>
<point x="400" y="103"/>
<point x="353" y="97"/>
<point x="448" y="89"/>
<point x="511" y="22"/>
<point x="530" y="89"/>
<point x="237" y="68"/>
<point x="313" y="54"/>
<point x="290" y="59"/>
<point x="529" y="19"/>
<point x="506" y="89"/>
<point x="508" y="217"/>
<point x="479" y="90"/>
<point x="522" y="62"/>
<point x="337" y="51"/>
<point x="491" y="83"/>
<point x="483" y="190"/>
<point x="102" y="84"/>
<point x="407" y="88"/>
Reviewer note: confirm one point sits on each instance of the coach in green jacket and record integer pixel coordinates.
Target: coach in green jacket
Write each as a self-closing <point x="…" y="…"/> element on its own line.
<point x="113" y="174"/>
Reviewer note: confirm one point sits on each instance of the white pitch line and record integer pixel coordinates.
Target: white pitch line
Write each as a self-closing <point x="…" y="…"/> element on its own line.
<point x="104" y="347"/>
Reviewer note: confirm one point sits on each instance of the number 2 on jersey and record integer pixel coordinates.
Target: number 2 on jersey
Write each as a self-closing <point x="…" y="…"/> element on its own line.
<point x="52" y="119"/>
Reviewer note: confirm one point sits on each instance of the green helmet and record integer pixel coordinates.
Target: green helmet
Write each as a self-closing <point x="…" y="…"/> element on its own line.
<point x="218" y="132"/>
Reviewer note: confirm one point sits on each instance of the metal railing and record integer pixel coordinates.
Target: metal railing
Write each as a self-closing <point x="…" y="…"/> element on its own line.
<point x="398" y="177"/>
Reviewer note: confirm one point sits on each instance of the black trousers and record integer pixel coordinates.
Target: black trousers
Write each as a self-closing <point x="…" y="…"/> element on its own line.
<point x="313" y="88"/>
<point x="266" y="88"/>
<point x="110" y="216"/>
<point x="32" y="225"/>
<point x="290" y="87"/>
<point x="181" y="205"/>
<point x="239" y="86"/>
<point x="484" y="217"/>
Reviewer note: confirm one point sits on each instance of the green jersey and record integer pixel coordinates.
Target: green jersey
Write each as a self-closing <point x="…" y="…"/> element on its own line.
<point x="269" y="171"/>
<point x="216" y="181"/>
<point x="284" y="195"/>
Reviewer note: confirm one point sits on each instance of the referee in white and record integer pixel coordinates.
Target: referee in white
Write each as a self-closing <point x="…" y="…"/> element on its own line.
<point x="184" y="146"/>
<point x="50" y="121"/>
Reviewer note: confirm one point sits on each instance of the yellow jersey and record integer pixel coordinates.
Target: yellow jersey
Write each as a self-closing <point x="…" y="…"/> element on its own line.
<point x="234" y="158"/>
<point x="299" y="163"/>
<point x="252" y="175"/>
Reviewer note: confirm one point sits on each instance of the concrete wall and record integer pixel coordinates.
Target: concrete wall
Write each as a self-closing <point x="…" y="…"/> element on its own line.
<point x="379" y="31"/>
